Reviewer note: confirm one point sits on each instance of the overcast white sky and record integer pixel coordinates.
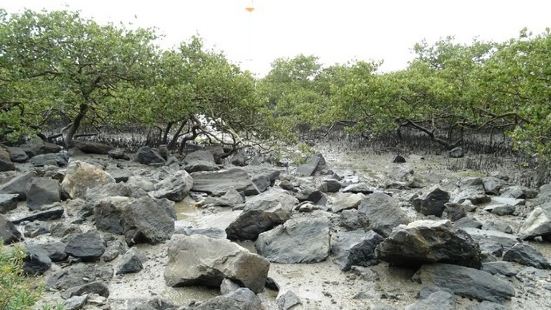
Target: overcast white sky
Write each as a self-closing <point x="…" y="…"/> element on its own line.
<point x="334" y="30"/>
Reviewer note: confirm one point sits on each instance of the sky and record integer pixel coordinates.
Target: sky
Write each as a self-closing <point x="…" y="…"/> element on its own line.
<point x="336" y="31"/>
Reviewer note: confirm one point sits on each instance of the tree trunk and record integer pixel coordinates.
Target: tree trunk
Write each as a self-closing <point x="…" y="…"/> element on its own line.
<point x="194" y="134"/>
<point x="69" y="132"/>
<point x="167" y="130"/>
<point x="174" y="140"/>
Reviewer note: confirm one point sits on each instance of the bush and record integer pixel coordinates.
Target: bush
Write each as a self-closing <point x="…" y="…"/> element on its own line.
<point x="16" y="290"/>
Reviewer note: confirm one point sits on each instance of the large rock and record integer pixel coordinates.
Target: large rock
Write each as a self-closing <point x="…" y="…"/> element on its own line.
<point x="344" y="201"/>
<point x="217" y="183"/>
<point x="40" y="147"/>
<point x="428" y="241"/>
<point x="525" y="254"/>
<point x="299" y="240"/>
<point x="201" y="160"/>
<point x="81" y="176"/>
<point x="261" y="213"/>
<point x="148" y="156"/>
<point x="492" y="185"/>
<point x="93" y="147"/>
<point x="79" y="274"/>
<point x="175" y="187"/>
<point x="492" y="242"/>
<point x="8" y="232"/>
<point x="8" y="202"/>
<point x="18" y="185"/>
<point x="231" y="198"/>
<point x="143" y="220"/>
<point x="42" y="191"/>
<point x="240" y="299"/>
<point x="383" y="212"/>
<point x="88" y="246"/>
<point x="467" y="282"/>
<point x="355" y="248"/>
<point x="353" y="219"/>
<point x="5" y="161"/>
<point x="433" y="203"/>
<point x="200" y="260"/>
<point x="438" y="300"/>
<point x="312" y="165"/>
<point x="36" y="260"/>
<point x="18" y="155"/>
<point x="131" y="262"/>
<point x="50" y="159"/>
<point x="45" y="215"/>
<point x="538" y="223"/>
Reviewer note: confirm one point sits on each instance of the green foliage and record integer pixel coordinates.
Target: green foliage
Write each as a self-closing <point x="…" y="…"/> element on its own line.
<point x="449" y="88"/>
<point x="17" y="292"/>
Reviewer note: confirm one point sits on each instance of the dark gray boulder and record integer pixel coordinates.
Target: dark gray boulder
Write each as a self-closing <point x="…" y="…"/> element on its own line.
<point x="5" y="162"/>
<point x="50" y="159"/>
<point x="492" y="185"/>
<point x="231" y="198"/>
<point x="201" y="160"/>
<point x="492" y="242"/>
<point x="8" y="202"/>
<point x="18" y="155"/>
<point x="200" y="260"/>
<point x="500" y="209"/>
<point x="148" y="156"/>
<point x="353" y="219"/>
<point x="55" y="250"/>
<point x="8" y="232"/>
<point x="261" y="213"/>
<point x="79" y="274"/>
<point x="287" y="301"/>
<point x="45" y="215"/>
<point x="118" y="154"/>
<point x="298" y="240"/>
<point x="131" y="262"/>
<point x="35" y="228"/>
<point x="518" y="192"/>
<point x="36" y="260"/>
<point x="97" y="287"/>
<point x="175" y="187"/>
<point x="433" y="203"/>
<point x="507" y="269"/>
<point x="330" y="186"/>
<point x="217" y="183"/>
<point x="89" y="147"/>
<point x="427" y="241"/>
<point x="240" y="299"/>
<point x="42" y="191"/>
<point x="143" y="220"/>
<point x="383" y="212"/>
<point x="527" y="255"/>
<point x="18" y="185"/>
<point x="88" y="246"/>
<point x="355" y="248"/>
<point x="37" y="148"/>
<point x="439" y="300"/>
<point x="465" y="281"/>
<point x="313" y="164"/>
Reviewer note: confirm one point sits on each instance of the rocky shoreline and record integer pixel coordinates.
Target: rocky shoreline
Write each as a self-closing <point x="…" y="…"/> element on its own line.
<point x="109" y="230"/>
